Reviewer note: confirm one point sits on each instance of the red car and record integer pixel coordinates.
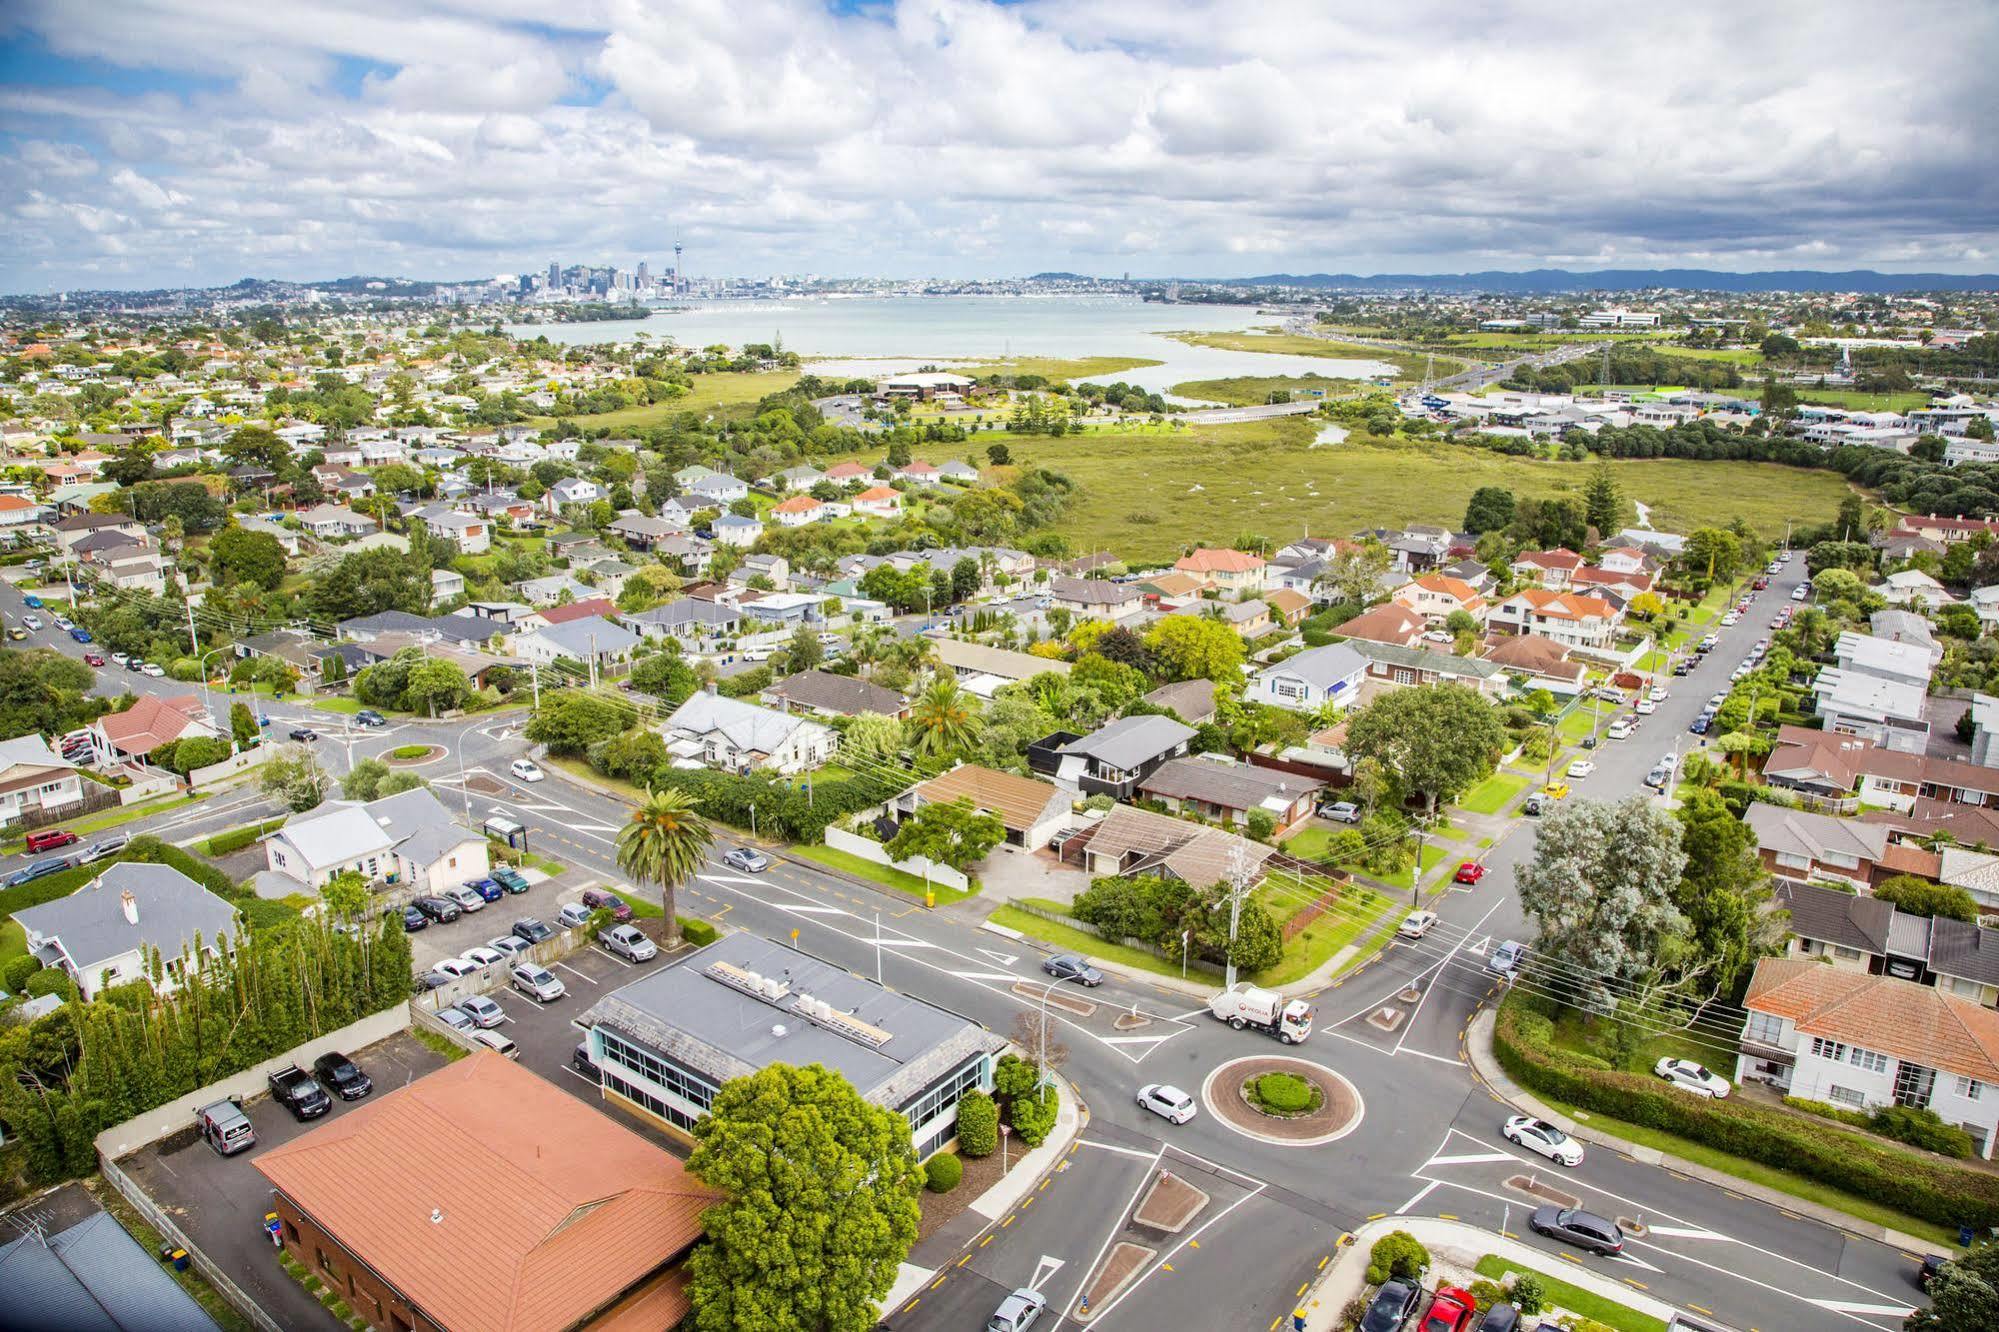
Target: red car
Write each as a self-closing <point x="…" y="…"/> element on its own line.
<point x="53" y="838"/>
<point x="1451" y="1311"/>
<point x="93" y="659"/>
<point x="1470" y="872"/>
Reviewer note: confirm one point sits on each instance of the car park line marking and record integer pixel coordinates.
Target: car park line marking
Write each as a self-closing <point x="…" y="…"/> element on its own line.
<point x="574" y="972"/>
<point x="1421" y="1194"/>
<point x="602" y="951"/>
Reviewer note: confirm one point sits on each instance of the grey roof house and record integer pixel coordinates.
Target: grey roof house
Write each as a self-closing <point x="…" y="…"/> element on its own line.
<point x="94" y="1277"/>
<point x="100" y="933"/>
<point x="405" y="840"/>
<point x="824" y="694"/>
<point x="1114" y="759"/>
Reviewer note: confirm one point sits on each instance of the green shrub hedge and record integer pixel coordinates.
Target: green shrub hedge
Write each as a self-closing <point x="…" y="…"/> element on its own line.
<point x="236" y="839"/>
<point x="1934" y="1190"/>
<point x="1284" y="1093"/>
<point x="697" y="932"/>
<point x="978" y="1125"/>
<point x="1033" y="1115"/>
<point x="942" y="1172"/>
<point x="1825" y="1110"/>
<point x="1396" y="1254"/>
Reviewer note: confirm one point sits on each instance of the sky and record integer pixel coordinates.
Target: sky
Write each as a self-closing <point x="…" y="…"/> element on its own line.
<point x="193" y="142"/>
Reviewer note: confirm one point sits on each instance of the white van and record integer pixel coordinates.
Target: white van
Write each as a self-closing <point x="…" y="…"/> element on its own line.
<point x="1620" y="728"/>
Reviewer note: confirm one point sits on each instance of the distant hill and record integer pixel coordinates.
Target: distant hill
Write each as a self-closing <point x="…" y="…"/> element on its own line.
<point x="1551" y="281"/>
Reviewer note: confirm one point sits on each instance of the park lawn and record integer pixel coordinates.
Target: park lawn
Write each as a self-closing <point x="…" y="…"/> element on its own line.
<point x="1205" y="484"/>
<point x="1080" y="941"/>
<point x="885" y="875"/>
<point x="345" y="704"/>
<point x="1251" y="391"/>
<point x="1097" y="369"/>
<point x="719" y="390"/>
<point x="1575" y="1033"/>
<point x="1578" y="724"/>
<point x="1309" y="843"/>
<point x="1895" y="400"/>
<point x="1494" y="794"/>
<point x="1573" y="1298"/>
<point x="1409" y="365"/>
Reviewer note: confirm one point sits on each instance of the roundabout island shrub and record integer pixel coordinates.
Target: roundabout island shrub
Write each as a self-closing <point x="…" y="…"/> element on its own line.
<point x="1283" y="1093"/>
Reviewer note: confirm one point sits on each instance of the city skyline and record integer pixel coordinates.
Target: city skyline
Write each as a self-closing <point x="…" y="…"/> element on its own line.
<point x="174" y="144"/>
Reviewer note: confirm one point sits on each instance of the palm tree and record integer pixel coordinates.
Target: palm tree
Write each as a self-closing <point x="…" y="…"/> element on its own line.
<point x="944" y="719"/>
<point x="664" y="845"/>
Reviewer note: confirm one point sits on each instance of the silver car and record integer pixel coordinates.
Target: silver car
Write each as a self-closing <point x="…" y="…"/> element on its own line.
<point x="747" y="860"/>
<point x="538" y="983"/>
<point x="1017" y="1312"/>
<point x="468" y="899"/>
<point x="625" y="941"/>
<point x="483" y="1011"/>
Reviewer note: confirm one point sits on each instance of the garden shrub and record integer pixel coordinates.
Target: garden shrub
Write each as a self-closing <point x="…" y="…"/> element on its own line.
<point x="697" y="932"/>
<point x="1527" y="1293"/>
<point x="978" y="1125"/>
<point x="1014" y="1076"/>
<point x="1857" y="1118"/>
<point x="1033" y="1115"/>
<point x="1485" y="1293"/>
<point x="16" y="973"/>
<point x="1396" y="1254"/>
<point x="1920" y="1127"/>
<point x="1285" y="1093"/>
<point x="942" y="1172"/>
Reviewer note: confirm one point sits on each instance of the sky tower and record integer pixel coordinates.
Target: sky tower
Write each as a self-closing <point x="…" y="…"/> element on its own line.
<point x="679" y="283"/>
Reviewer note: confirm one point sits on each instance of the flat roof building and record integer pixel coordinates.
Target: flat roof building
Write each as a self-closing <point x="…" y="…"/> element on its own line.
<point x="665" y="1044"/>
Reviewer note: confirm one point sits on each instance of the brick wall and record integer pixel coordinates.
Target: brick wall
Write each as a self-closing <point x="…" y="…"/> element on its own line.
<point x="371" y="1298"/>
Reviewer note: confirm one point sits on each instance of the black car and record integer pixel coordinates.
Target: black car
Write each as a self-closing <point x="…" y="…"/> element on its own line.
<point x="1585" y="1230"/>
<point x="343" y="1075"/>
<point x="304" y="733"/>
<point x="580" y="1060"/>
<point x="294" y="1089"/>
<point x="440" y="909"/>
<point x="1067" y="966"/>
<point x="40" y="869"/>
<point x="1500" y="1318"/>
<point x="527" y="927"/>
<point x="1932" y="1264"/>
<point x="414" y="919"/>
<point x="1391" y="1307"/>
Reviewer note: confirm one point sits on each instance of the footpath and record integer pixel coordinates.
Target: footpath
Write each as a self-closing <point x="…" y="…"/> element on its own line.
<point x="1485" y="1065"/>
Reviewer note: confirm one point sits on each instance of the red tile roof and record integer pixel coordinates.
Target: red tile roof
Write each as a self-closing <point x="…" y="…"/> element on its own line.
<point x="1564" y="605"/>
<point x="578" y="610"/>
<point x="876" y="494"/>
<point x="1894" y="1017"/>
<point x="1390" y="622"/>
<point x="493" y="1199"/>
<point x="150" y="723"/>
<point x="799" y="504"/>
<point x="1210" y="560"/>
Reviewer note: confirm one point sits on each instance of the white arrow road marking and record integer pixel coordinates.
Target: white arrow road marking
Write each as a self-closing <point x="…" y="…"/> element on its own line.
<point x="1637" y="1262"/>
<point x="1004" y="959"/>
<point x="1687" y="1233"/>
<point x="546" y="808"/>
<point x="1476" y="948"/>
<point x="1479" y="1158"/>
<point x="1850" y="1307"/>
<point x="1139" y="1040"/>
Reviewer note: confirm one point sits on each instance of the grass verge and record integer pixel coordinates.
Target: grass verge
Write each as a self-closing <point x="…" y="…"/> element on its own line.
<point x="13" y="940"/>
<point x="886" y="876"/>
<point x="450" y="1050"/>
<point x="1494" y="794"/>
<point x="1573" y="1298"/>
<point x="1080" y="941"/>
<point x="110" y="818"/>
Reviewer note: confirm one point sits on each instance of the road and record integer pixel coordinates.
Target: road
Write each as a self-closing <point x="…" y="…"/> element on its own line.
<point x="1426" y="1143"/>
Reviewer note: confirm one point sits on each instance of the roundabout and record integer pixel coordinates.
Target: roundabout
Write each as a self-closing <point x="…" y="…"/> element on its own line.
<point x="1307" y="1104"/>
<point x="396" y="758"/>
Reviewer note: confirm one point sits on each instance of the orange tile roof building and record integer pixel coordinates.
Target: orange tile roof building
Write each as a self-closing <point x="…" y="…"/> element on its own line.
<point x="483" y="1198"/>
<point x="1233" y="571"/>
<point x="151" y="722"/>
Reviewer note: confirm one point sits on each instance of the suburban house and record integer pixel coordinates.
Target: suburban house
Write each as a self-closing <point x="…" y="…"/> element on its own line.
<point x="35" y="778"/>
<point x="1390" y="665"/>
<point x="330" y="522"/>
<point x="1861" y="1042"/>
<point x="641" y="532"/>
<point x="593" y="641"/>
<point x="101" y="934"/>
<point x="577" y="1221"/>
<point x="740" y="737"/>
<point x="93" y="1274"/>
<point x="798" y="511"/>
<point x="1227" y="792"/>
<point x="1887" y="712"/>
<point x="1192" y="701"/>
<point x="1249" y="618"/>
<point x="1435" y="596"/>
<point x="1810" y="847"/>
<point x="151" y="722"/>
<point x="1551" y="569"/>
<point x="1174" y="587"/>
<point x="1867" y="934"/>
<point x="1832" y="766"/>
<point x="1114" y="759"/>
<point x="1905" y="663"/>
<point x="732" y="530"/>
<point x="878" y="502"/>
<point x="1390" y="622"/>
<point x="982" y="669"/>
<point x="1288" y="607"/>
<point x="1136" y="841"/>
<point x="1031" y="811"/>
<point x="690" y="619"/>
<point x="1573" y="619"/>
<point x="1096" y="598"/>
<point x="1234" y="572"/>
<point x="1913" y="587"/>
<point x="472" y="533"/>
<point x="824" y="694"/>
<point x="408" y="840"/>
<point x="1904" y="626"/>
<point x="1314" y="678"/>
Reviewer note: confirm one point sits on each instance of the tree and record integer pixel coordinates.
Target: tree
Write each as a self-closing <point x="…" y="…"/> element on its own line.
<point x="1600" y="887"/>
<point x="1191" y="647"/>
<point x="818" y="1204"/>
<point x="1354" y="576"/>
<point x="1963" y="1295"/>
<point x="41" y="689"/>
<point x="1920" y="897"/>
<point x="346" y="895"/>
<point x="1647" y="605"/>
<point x="803" y="651"/>
<point x="1490" y="509"/>
<point x="998" y="455"/>
<point x="1724" y="887"/>
<point x="1712" y="553"/>
<point x="1435" y="741"/>
<point x="436" y="685"/>
<point x="1603" y="502"/>
<point x="665" y="675"/>
<point x="947" y="833"/>
<point x="944" y="720"/>
<point x="663" y="845"/>
<point x="364" y="780"/>
<point x="571" y="721"/>
<point x="294" y="778"/>
<point x="243" y="726"/>
<point x="237" y="556"/>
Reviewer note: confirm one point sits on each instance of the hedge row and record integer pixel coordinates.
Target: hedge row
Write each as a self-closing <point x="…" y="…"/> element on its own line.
<point x="235" y="840"/>
<point x="697" y="932"/>
<point x="1922" y="1186"/>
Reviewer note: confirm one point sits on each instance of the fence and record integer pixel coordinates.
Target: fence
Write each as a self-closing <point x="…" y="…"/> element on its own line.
<point x="157" y="1217"/>
<point x="855" y="845"/>
<point x="95" y="797"/>
<point x="1194" y="964"/>
<point x="230" y="766"/>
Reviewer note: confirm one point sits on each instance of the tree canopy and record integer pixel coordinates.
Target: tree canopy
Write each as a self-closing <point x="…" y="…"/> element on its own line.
<point x="1434" y="742"/>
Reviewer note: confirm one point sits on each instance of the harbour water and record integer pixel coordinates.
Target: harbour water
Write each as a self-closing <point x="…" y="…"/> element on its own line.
<point x="842" y="335"/>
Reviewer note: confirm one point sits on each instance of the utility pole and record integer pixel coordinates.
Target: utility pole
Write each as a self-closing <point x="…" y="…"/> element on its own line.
<point x="1416" y="874"/>
<point x="1237" y="874"/>
<point x="193" y="643"/>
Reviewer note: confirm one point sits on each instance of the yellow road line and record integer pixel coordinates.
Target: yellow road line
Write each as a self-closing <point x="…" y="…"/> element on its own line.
<point x="938" y="1282"/>
<point x="1697" y="1308"/>
<point x="984" y="1242"/>
<point x="1571" y="1257"/>
<point x="1304" y="1286"/>
<point x="1639" y="1284"/>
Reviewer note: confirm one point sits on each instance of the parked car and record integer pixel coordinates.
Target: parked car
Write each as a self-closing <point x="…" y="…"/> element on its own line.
<point x="594" y="898"/>
<point x="488" y="890"/>
<point x="152" y="670"/>
<point x="1416" y="924"/>
<point x="483" y="957"/>
<point x="625" y="941"/>
<point x="1620" y="728"/>
<point x="497" y="1043"/>
<point x="103" y="850"/>
<point x="574" y="915"/>
<point x="483" y="1011"/>
<point x="80" y="635"/>
<point x="1585" y="1230"/>
<point x="370" y="718"/>
<point x="16" y="632"/>
<point x="120" y="658"/>
<point x="1536" y="806"/>
<point x="431" y="980"/>
<point x="1469" y="872"/>
<point x="1501" y="1317"/>
<point x="1556" y="790"/>
<point x="1341" y="811"/>
<point x="304" y="733"/>
<point x="48" y="839"/>
<point x="1645" y="707"/>
<point x="1017" y="1312"/>
<point x="526" y="770"/>
<point x="455" y="967"/>
<point x="1543" y="1139"/>
<point x="135" y="665"/>
<point x="455" y="1019"/>
<point x="1391" y="1306"/>
<point x="468" y="899"/>
<point x="343" y="1075"/>
<point x="509" y="945"/>
<point x="532" y="930"/>
<point x="93" y="659"/>
<point x="1169" y="1103"/>
<point x="746" y="859"/>
<point x="225" y="1127"/>
<point x="1069" y="967"/>
<point x="414" y="919"/>
<point x="580" y="1060"/>
<point x="509" y="878"/>
<point x="41" y="869"/>
<point x="1452" y="1310"/>
<point x="33" y="622"/>
<point x="538" y="982"/>
<point x="438" y="909"/>
<point x="1691" y="1077"/>
<point x="297" y="1091"/>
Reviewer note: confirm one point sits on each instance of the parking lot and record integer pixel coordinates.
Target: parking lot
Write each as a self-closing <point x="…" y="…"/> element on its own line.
<point x="442" y="939"/>
<point x="220" y="1201"/>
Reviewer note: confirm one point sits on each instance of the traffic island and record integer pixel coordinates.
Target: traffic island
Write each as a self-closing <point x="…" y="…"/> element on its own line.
<point x="1304" y="1105"/>
<point x="1169" y="1204"/>
<point x="1126" y="1261"/>
<point x="1055" y="998"/>
<point x="413" y="756"/>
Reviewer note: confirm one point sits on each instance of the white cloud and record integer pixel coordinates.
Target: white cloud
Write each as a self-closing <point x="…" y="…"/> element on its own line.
<point x="1196" y="138"/>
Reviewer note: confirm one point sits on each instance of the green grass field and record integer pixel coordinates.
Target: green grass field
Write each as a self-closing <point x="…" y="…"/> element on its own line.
<point x="1149" y="496"/>
<point x="1894" y="401"/>
<point x="1494" y="794"/>
<point x="1574" y="1298"/>
<point x="1251" y="390"/>
<point x="881" y="874"/>
<point x="13" y="940"/>
<point x="707" y="393"/>
<point x="1096" y="369"/>
<point x="1357" y="914"/>
<point x="1409" y="365"/>
<point x="1080" y="941"/>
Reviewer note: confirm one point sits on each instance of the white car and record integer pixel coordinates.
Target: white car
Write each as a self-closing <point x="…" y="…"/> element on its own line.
<point x="483" y="1011"/>
<point x="1543" y="1139"/>
<point x="1645" y="707"/>
<point x="1620" y="728"/>
<point x="482" y="957"/>
<point x="32" y="621"/>
<point x="468" y="899"/>
<point x="625" y="941"/>
<point x="1581" y="768"/>
<point x="457" y="967"/>
<point x="526" y="770"/>
<point x="497" y="1043"/>
<point x="759" y="654"/>
<point x="1803" y="590"/>
<point x="1730" y="620"/>
<point x="1658" y="694"/>
<point x="153" y="669"/>
<point x="1717" y="700"/>
<point x="1416" y="924"/>
<point x="1691" y="1077"/>
<point x="1169" y="1103"/>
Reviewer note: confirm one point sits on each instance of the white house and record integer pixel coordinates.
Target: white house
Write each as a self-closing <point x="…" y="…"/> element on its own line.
<point x="1573" y="619"/>
<point x="731" y="530"/>
<point x="472" y="533"/>
<point x="405" y="840"/>
<point x="1312" y="679"/>
<point x="100" y="933"/>
<point x="727" y="733"/>
<point x="718" y="488"/>
<point x="33" y="776"/>
<point x="332" y="521"/>
<point x="1913" y="587"/>
<point x="798" y="511"/>
<point x="591" y="641"/>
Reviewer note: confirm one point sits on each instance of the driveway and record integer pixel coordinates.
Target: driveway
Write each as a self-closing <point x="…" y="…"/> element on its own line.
<point x="1010" y="873"/>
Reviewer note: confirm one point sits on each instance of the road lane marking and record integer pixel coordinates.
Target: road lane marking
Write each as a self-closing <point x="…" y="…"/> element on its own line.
<point x="983" y="976"/>
<point x="1421" y="1194"/>
<point x="1688" y="1232"/>
<point x="1852" y="1308"/>
<point x="1121" y="1151"/>
<point x="1475" y="1158"/>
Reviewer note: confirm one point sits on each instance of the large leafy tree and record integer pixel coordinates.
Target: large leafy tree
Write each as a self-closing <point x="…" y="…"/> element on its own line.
<point x="43" y="690"/>
<point x="246" y="557"/>
<point x="295" y="778"/>
<point x="1964" y="1296"/>
<point x="1724" y="888"/>
<point x="663" y="845"/>
<point x="570" y="721"/>
<point x="945" y="719"/>
<point x="1353" y="576"/>
<point x="1189" y="647"/>
<point x="1435" y="742"/>
<point x="949" y="833"/>
<point x="1489" y="510"/>
<point x="1601" y="888"/>
<point x="818" y="1205"/>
